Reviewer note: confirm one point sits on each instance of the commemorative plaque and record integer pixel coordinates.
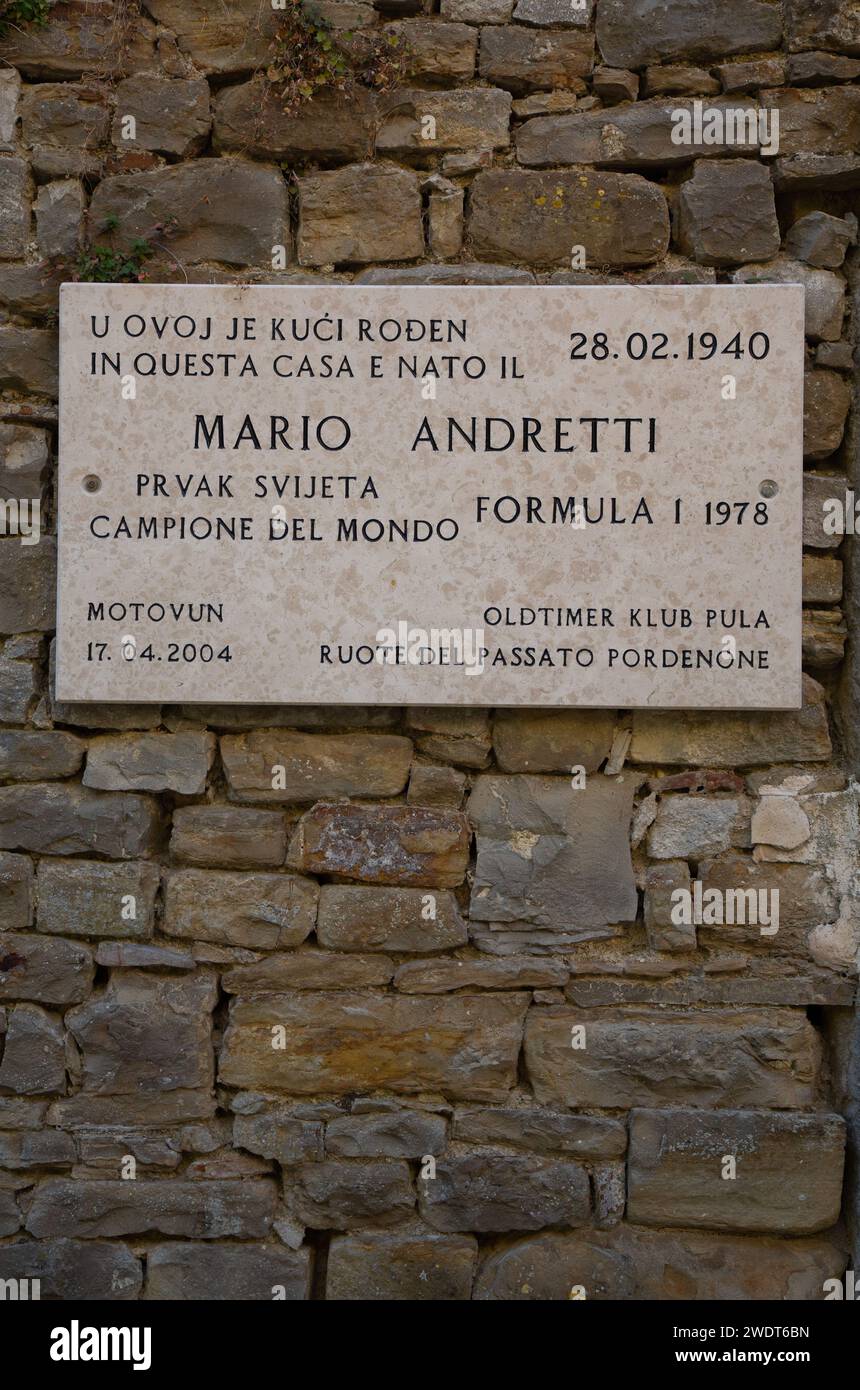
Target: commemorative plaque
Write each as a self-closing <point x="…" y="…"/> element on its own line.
<point x="340" y="494"/>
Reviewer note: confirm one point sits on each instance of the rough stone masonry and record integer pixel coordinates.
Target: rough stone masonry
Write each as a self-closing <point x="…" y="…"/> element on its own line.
<point x="502" y="1071"/>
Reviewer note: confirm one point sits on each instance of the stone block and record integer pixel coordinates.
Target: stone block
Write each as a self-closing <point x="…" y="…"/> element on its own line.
<point x="407" y="846"/>
<point x="172" y="1207"/>
<point x="184" y="1272"/>
<point x="229" y="836"/>
<point x="263" y="911"/>
<point x="228" y="210"/>
<point x="519" y="215"/>
<point x="314" y="767"/>
<point x="355" y="918"/>
<point x="364" y="212"/>
<point x="88" y="898"/>
<point x="716" y="1058"/>
<point x="784" y="1174"/>
<point x="67" y="819"/>
<point x="484" y="1192"/>
<point x="394" y="1266"/>
<point x="150" y="762"/>
<point x="550" y="855"/>
<point x="146" y="1033"/>
<point x="48" y="971"/>
<point x="465" y="1046"/>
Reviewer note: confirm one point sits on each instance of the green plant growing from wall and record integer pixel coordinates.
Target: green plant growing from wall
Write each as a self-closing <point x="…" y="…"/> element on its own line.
<point x="103" y="264"/>
<point x="17" y="12"/>
<point x="309" y="56"/>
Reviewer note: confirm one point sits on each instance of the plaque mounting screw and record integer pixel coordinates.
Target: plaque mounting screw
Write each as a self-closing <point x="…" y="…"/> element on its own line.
<point x="92" y="483"/>
<point x="768" y="488"/>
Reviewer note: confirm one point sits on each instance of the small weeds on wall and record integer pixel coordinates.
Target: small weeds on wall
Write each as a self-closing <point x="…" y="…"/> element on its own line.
<point x="309" y="56"/>
<point x="113" y="265"/>
<point x="19" y="12"/>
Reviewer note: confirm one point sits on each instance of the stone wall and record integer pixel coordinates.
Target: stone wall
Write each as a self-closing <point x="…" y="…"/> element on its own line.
<point x="419" y="1025"/>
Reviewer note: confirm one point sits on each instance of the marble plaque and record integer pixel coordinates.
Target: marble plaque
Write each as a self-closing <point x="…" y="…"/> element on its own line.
<point x="339" y="494"/>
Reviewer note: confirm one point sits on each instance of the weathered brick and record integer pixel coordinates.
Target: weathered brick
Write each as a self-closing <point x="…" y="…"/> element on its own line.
<point x="228" y="836"/>
<point x="67" y="128"/>
<point x="308" y="969"/>
<point x="239" y="42"/>
<point x="687" y="827"/>
<point x="267" y="911"/>
<point x="24" y="455"/>
<point x="826" y="402"/>
<point x="727" y="213"/>
<point x="633" y="1057"/>
<point x="313" y="767"/>
<point x="278" y="1134"/>
<point x="10" y="91"/>
<point x="788" y="1175"/>
<point x="459" y="736"/>
<point x="32" y="757"/>
<point x="66" y="819"/>
<point x="34" y="1053"/>
<point x="468" y="119"/>
<point x="364" y="212"/>
<point x="250" y="119"/>
<point x="235" y="1272"/>
<point x="541" y="1131"/>
<point x="18" y="687"/>
<point x="633" y="32"/>
<point x="620" y="219"/>
<point x="434" y="49"/>
<point x="522" y="60"/>
<point x="78" y="39"/>
<point x="395" y="1134"/>
<point x="59" y="209"/>
<point x="536" y="740"/>
<point x="635" y="136"/>
<point x="28" y="362"/>
<point x="819" y="121"/>
<point x="824" y="298"/>
<point x="485" y="1192"/>
<point x="447" y="973"/>
<point x="728" y="739"/>
<point x="150" y="762"/>
<point x="171" y="115"/>
<point x="336" y="1194"/>
<point x="228" y="210"/>
<point x="465" y="1046"/>
<point x="630" y="1262"/>
<point x="832" y="25"/>
<point x="88" y="898"/>
<point x="551" y="855"/>
<point x="48" y="971"/>
<point x="16" y="892"/>
<point x="436" y="786"/>
<point x="14" y="208"/>
<point x="393" y="1266"/>
<point x="146" y="1032"/>
<point x="204" y="1210"/>
<point x="28" y="578"/>
<point x="391" y="919"/>
<point x="68" y="1270"/>
<point x="403" y="845"/>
